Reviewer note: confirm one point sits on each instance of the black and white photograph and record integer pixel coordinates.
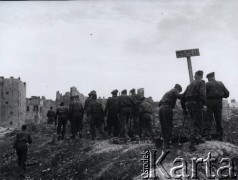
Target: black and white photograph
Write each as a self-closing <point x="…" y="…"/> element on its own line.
<point x="118" y="89"/>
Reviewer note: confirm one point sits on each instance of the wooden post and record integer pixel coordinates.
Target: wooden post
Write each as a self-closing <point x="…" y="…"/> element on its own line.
<point x="190" y="70"/>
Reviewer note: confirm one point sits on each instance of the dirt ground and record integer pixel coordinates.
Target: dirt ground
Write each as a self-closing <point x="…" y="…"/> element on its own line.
<point x="99" y="159"/>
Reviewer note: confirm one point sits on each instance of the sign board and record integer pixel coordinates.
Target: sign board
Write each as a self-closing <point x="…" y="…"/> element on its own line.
<point x="187" y="53"/>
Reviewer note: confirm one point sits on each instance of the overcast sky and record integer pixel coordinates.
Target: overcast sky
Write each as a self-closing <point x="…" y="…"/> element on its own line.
<point x="106" y="45"/>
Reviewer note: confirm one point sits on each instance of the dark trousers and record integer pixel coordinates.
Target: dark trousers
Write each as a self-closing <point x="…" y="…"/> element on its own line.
<point x="166" y="122"/>
<point x="21" y="150"/>
<point x="146" y="122"/>
<point x="112" y="123"/>
<point x="76" y="124"/>
<point x="124" y="119"/>
<point x="196" y="113"/>
<point x="214" y="109"/>
<point x="51" y="120"/>
<point x="61" y="128"/>
<point x="96" y="122"/>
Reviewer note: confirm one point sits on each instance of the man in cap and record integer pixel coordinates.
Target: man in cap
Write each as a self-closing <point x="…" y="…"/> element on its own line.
<point x="195" y="97"/>
<point x="124" y="105"/>
<point x="86" y="107"/>
<point x="112" y="118"/>
<point x="88" y="100"/>
<point x="97" y="116"/>
<point x="23" y="138"/>
<point x="134" y="118"/>
<point x="145" y="115"/>
<point x="167" y="104"/>
<point x="62" y="116"/>
<point x="215" y="92"/>
<point x="76" y="112"/>
<point x="51" y="116"/>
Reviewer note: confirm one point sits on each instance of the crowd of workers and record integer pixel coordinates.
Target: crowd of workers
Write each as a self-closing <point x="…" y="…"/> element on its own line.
<point x="130" y="117"/>
<point x="126" y="116"/>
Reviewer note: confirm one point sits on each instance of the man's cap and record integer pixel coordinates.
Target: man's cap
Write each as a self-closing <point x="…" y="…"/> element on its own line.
<point x="199" y="73"/>
<point x="133" y="90"/>
<point x="92" y="92"/>
<point x="71" y="98"/>
<point x="62" y="104"/>
<point x="114" y="91"/>
<point x="177" y="86"/>
<point x="77" y="96"/>
<point x="212" y="74"/>
<point x="124" y="91"/>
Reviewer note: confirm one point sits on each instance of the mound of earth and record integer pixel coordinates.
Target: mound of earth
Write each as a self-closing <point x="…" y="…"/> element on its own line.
<point x="99" y="159"/>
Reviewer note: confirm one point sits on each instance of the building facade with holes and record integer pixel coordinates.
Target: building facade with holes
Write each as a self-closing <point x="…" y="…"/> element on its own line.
<point x="12" y="102"/>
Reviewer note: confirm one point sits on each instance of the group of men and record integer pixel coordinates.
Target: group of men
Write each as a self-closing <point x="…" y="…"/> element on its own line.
<point x="127" y="116"/>
<point x="202" y="101"/>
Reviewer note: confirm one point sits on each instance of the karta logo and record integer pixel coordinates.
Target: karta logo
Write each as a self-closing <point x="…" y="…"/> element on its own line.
<point x="153" y="168"/>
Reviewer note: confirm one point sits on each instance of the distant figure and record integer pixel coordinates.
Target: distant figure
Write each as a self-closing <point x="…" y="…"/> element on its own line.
<point x="134" y="117"/>
<point x="112" y="118"/>
<point x="145" y="115"/>
<point x="195" y="99"/>
<point x="215" y="92"/>
<point x="124" y="105"/>
<point x="96" y="112"/>
<point x="87" y="101"/>
<point x="51" y="116"/>
<point x="76" y="112"/>
<point x="21" y="142"/>
<point x="167" y="104"/>
<point x="62" y="116"/>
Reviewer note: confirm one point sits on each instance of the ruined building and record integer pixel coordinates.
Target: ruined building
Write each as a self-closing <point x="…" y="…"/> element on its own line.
<point x="12" y="102"/>
<point x="36" y="109"/>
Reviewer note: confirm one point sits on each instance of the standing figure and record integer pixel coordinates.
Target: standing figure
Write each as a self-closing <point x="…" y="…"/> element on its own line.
<point x="112" y="118"/>
<point x="167" y="105"/>
<point x="215" y="92"/>
<point x="195" y="97"/>
<point x="124" y="105"/>
<point x="145" y="115"/>
<point x="96" y="116"/>
<point x="76" y="112"/>
<point x="51" y="116"/>
<point x="62" y="116"/>
<point x="21" y="142"/>
<point x="134" y="117"/>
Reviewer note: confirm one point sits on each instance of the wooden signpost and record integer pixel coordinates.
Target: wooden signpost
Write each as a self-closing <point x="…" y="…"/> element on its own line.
<point x="188" y="53"/>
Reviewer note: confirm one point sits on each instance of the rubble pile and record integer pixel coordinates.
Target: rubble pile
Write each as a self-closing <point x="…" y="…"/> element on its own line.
<point x="4" y="131"/>
<point x="230" y="128"/>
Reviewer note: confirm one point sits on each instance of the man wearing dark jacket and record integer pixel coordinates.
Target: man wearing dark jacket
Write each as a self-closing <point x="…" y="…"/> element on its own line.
<point x="76" y="112"/>
<point x="124" y="105"/>
<point x="62" y="116"/>
<point x="21" y="142"/>
<point x="145" y="115"/>
<point x="97" y="116"/>
<point x="167" y="105"/>
<point x="215" y="92"/>
<point x="112" y="118"/>
<point x="195" y="97"/>
<point x="134" y="118"/>
<point x="51" y="116"/>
